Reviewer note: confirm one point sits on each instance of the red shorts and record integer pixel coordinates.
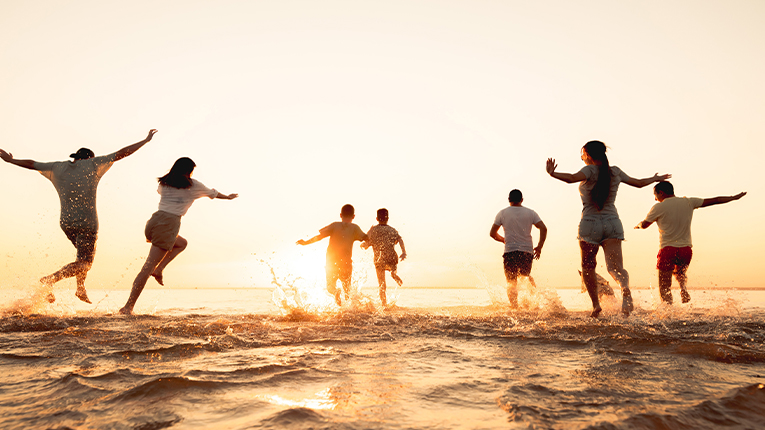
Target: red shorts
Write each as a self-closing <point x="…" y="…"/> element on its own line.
<point x="671" y="258"/>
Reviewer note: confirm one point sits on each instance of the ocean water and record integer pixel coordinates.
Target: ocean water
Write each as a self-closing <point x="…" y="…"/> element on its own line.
<point x="286" y="357"/>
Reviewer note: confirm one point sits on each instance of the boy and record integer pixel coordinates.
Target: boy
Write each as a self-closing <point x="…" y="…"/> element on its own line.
<point x="516" y="221"/>
<point x="382" y="239"/>
<point x="341" y="237"/>
<point x="673" y="215"/>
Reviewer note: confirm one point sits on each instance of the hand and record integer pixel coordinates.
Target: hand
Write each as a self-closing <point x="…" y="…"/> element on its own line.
<point x="537" y="252"/>
<point x="301" y="242"/>
<point x="364" y="245"/>
<point x="232" y="196"/>
<point x="151" y="134"/>
<point x="403" y="256"/>
<point x="6" y="156"/>
<point x="551" y="166"/>
<point x="658" y="178"/>
<point x="736" y="197"/>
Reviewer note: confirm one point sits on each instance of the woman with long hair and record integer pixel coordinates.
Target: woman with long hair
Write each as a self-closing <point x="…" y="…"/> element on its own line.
<point x="600" y="224"/>
<point x="178" y="191"/>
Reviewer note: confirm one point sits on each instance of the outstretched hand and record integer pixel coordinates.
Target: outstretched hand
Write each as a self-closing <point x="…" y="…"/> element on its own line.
<point x="6" y="156"/>
<point x="151" y="134"/>
<point x="736" y="197"/>
<point x="658" y="178"/>
<point x="551" y="166"/>
<point x="301" y="242"/>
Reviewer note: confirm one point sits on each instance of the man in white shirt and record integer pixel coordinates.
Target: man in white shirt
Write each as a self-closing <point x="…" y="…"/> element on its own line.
<point x="516" y="221"/>
<point x="76" y="182"/>
<point x="673" y="215"/>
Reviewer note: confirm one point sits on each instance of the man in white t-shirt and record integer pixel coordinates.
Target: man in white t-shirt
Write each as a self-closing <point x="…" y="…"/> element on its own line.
<point x="673" y="215"/>
<point x="516" y="221"/>
<point x="76" y="182"/>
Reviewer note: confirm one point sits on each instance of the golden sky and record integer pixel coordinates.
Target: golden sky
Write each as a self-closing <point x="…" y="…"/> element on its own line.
<point x="432" y="109"/>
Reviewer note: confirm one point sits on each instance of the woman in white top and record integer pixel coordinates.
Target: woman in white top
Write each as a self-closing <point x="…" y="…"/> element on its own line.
<point x="178" y="191"/>
<point x="600" y="224"/>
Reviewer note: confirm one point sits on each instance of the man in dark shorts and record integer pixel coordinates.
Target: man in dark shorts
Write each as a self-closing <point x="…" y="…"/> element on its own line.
<point x="516" y="221"/>
<point x="76" y="182"/>
<point x="673" y="215"/>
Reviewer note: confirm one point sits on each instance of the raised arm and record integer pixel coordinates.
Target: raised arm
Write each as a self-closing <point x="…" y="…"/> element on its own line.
<point x="722" y="199"/>
<point x="314" y="239"/>
<point x="130" y="149"/>
<point x="8" y="158"/>
<point x="542" y="237"/>
<point x="231" y="196"/>
<point x="568" y="178"/>
<point x="640" y="183"/>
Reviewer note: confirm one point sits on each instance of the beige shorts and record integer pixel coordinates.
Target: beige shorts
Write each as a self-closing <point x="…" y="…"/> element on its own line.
<point x="162" y="229"/>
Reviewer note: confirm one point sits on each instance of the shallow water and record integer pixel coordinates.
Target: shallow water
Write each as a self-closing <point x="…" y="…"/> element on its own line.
<point x="440" y="358"/>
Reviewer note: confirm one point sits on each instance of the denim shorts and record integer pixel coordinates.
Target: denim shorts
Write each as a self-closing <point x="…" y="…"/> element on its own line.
<point x="595" y="229"/>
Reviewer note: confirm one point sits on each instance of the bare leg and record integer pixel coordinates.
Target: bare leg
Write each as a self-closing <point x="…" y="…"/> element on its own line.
<point x="681" y="274"/>
<point x="81" y="293"/>
<point x="531" y="281"/>
<point x="178" y="247"/>
<point x="383" y="287"/>
<point x="395" y="277"/>
<point x="77" y="268"/>
<point x="156" y="254"/>
<point x="615" y="266"/>
<point x="512" y="291"/>
<point x="665" y="286"/>
<point x="589" y="253"/>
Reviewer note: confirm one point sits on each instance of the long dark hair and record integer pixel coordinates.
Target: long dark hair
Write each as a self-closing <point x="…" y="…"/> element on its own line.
<point x="179" y="175"/>
<point x="596" y="150"/>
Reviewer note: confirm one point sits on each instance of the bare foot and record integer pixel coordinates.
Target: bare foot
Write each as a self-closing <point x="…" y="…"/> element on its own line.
<point x="126" y="311"/>
<point x="596" y="312"/>
<point x="158" y="278"/>
<point x="50" y="298"/>
<point x="82" y="295"/>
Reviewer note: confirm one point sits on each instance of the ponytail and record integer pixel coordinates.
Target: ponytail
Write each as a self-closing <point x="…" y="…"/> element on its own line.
<point x="597" y="151"/>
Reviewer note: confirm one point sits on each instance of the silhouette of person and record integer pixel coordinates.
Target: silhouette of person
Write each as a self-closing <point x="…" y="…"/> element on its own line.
<point x="177" y="193"/>
<point x="600" y="225"/>
<point x="339" y="265"/>
<point x="76" y="182"/>
<point x="516" y="221"/>
<point x="673" y="216"/>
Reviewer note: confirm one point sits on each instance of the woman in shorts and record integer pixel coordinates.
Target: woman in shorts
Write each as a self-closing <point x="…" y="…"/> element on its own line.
<point x="600" y="224"/>
<point x="178" y="191"/>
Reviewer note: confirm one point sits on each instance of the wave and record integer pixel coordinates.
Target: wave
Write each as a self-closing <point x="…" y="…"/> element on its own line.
<point x="743" y="407"/>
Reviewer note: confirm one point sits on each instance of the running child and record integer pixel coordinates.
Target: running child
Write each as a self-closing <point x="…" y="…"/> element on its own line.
<point x="341" y="234"/>
<point x="383" y="239"/>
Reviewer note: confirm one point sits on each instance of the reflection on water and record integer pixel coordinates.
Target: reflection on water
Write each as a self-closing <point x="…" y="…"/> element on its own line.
<point x="233" y="359"/>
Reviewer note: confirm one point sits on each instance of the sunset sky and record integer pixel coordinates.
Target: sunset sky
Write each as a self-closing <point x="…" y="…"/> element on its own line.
<point x="432" y="109"/>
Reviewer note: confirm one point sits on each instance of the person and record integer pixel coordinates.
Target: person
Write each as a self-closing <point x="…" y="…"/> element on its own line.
<point x="600" y="225"/>
<point x="673" y="216"/>
<point x="516" y="221"/>
<point x="177" y="192"/>
<point x="76" y="182"/>
<point x="339" y="265"/>
<point x="383" y="239"/>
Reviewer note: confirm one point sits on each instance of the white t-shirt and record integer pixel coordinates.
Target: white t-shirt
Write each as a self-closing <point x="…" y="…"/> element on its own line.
<point x="76" y="183"/>
<point x="516" y="221"/>
<point x="673" y="216"/>
<point x="177" y="201"/>
<point x="586" y="186"/>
